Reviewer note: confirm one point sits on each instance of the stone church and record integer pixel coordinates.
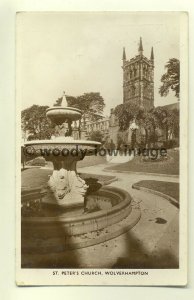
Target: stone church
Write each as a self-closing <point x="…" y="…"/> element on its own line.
<point x="138" y="87"/>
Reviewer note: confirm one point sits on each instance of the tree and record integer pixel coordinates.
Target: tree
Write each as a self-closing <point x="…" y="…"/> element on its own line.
<point x="173" y="123"/>
<point x="171" y="79"/>
<point x="91" y="105"/>
<point x="155" y="116"/>
<point x="162" y="115"/>
<point x="155" y="121"/>
<point x="162" y="119"/>
<point x="35" y="122"/>
<point x="125" y="113"/>
<point x="146" y="122"/>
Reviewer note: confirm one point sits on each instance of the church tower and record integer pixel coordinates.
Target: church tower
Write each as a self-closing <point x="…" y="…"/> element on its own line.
<point x="138" y="79"/>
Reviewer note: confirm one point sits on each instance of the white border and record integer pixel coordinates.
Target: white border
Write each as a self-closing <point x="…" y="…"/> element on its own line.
<point x="161" y="277"/>
<point x="7" y="161"/>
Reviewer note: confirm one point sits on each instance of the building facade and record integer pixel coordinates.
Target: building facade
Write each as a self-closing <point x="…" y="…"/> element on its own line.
<point x="101" y="125"/>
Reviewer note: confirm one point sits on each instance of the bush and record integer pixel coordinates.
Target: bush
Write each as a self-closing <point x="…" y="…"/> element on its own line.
<point x="38" y="161"/>
<point x="96" y="136"/>
<point x="171" y="144"/>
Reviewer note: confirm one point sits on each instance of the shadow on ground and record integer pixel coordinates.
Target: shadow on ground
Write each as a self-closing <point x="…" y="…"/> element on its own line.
<point x="139" y="257"/>
<point x="45" y="248"/>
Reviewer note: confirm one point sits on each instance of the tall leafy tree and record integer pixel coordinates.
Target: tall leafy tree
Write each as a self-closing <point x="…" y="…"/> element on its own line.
<point x="91" y="105"/>
<point x="35" y="122"/>
<point x="171" y="79"/>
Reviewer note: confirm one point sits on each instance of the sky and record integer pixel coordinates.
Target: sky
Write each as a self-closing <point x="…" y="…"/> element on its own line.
<point x="82" y="52"/>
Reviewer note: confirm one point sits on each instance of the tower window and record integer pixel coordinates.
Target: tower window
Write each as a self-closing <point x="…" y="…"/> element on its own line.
<point x="133" y="91"/>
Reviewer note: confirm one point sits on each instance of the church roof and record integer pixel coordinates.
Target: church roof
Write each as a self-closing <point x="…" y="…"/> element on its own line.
<point x="171" y="106"/>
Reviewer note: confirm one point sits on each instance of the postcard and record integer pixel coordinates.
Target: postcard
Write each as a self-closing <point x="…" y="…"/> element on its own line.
<point x="102" y="114"/>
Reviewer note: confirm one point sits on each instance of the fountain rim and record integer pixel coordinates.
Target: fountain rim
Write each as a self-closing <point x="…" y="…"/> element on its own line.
<point x="63" y="142"/>
<point x="91" y="216"/>
<point x="65" y="108"/>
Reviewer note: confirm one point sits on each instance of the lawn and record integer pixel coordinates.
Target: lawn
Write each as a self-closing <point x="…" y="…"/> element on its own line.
<point x="169" y="188"/>
<point x="170" y="166"/>
<point x="35" y="177"/>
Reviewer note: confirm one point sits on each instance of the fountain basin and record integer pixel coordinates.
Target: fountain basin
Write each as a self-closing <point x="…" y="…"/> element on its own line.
<point x="84" y="223"/>
<point x="58" y="233"/>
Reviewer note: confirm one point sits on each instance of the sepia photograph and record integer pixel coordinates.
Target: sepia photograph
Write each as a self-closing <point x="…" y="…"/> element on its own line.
<point x="101" y="148"/>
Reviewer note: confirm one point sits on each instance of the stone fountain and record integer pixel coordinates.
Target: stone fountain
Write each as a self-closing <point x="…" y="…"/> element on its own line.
<point x="71" y="214"/>
<point x="65" y="187"/>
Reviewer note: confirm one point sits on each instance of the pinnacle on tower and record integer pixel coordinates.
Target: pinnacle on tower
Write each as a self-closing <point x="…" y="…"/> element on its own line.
<point x="124" y="54"/>
<point x="140" y="46"/>
<point x="152" y="54"/>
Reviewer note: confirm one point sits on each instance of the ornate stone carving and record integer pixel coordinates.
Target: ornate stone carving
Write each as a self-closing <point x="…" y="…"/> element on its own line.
<point x="66" y="188"/>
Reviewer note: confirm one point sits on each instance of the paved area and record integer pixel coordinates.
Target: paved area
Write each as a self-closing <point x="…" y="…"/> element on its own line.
<point x="119" y="159"/>
<point x="151" y="243"/>
<point x="128" y="178"/>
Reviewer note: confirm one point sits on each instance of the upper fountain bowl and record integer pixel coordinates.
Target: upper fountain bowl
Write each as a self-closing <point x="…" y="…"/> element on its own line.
<point x="59" y="114"/>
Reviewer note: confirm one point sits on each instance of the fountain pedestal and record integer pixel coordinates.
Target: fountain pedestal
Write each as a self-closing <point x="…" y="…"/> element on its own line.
<point x="65" y="187"/>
